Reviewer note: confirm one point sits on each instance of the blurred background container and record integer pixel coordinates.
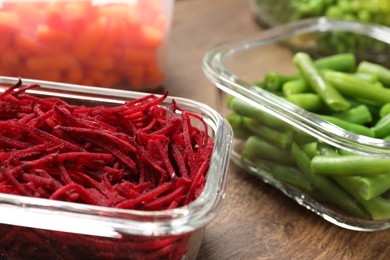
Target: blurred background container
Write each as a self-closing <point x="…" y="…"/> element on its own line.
<point x="119" y="43"/>
<point x="271" y="13"/>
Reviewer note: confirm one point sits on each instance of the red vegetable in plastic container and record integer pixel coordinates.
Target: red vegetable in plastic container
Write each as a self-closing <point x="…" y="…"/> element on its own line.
<point x="133" y="156"/>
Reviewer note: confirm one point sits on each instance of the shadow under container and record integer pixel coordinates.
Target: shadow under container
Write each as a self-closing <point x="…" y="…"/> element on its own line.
<point x="49" y="229"/>
<point x="114" y="44"/>
<point x="236" y="66"/>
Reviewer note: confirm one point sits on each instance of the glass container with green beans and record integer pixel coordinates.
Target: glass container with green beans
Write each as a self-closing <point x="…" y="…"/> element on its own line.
<point x="314" y="124"/>
<point x="271" y="13"/>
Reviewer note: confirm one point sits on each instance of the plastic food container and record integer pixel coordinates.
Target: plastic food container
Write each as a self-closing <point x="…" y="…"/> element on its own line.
<point x="234" y="66"/>
<point x="121" y="44"/>
<point x="42" y="228"/>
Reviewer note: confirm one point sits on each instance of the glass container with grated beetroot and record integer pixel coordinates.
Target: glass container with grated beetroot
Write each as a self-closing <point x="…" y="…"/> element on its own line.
<point x="106" y="174"/>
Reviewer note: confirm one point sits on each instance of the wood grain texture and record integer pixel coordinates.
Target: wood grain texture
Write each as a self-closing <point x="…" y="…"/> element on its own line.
<point x="257" y="221"/>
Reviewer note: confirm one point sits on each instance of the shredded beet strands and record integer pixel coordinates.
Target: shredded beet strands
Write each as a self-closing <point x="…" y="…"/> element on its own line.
<point x="90" y="153"/>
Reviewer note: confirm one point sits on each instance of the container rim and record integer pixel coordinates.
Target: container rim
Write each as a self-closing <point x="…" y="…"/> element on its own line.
<point x="215" y="70"/>
<point x="110" y="222"/>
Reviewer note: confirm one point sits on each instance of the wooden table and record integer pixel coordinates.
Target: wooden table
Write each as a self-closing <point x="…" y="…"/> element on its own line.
<point x="257" y="221"/>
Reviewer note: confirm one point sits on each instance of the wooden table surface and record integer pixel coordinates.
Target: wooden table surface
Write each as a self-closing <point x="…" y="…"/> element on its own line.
<point x="256" y="221"/>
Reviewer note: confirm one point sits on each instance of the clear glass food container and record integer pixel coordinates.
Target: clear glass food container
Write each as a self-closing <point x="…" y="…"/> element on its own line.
<point x="236" y="66"/>
<point x="115" y="44"/>
<point x="50" y="229"/>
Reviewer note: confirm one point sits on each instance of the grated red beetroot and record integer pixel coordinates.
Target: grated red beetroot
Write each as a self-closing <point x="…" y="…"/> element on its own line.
<point x="138" y="155"/>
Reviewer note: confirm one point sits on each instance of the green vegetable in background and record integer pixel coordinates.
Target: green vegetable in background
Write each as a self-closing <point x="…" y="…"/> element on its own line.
<point x="375" y="11"/>
<point x="271" y="13"/>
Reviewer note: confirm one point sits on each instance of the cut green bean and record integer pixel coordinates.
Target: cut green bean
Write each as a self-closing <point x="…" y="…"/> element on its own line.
<point x="311" y="149"/>
<point x="256" y="148"/>
<point x="382" y="127"/>
<point x="295" y="87"/>
<point x="302" y="138"/>
<point x="349" y="165"/>
<point x="288" y="174"/>
<point x="357" y="115"/>
<point x="326" y="91"/>
<point x="280" y="138"/>
<point x="326" y="149"/>
<point x="274" y="81"/>
<point x="354" y="128"/>
<point x="228" y="100"/>
<point x="374" y="109"/>
<point x="340" y="62"/>
<point x="366" y="187"/>
<point x="384" y="110"/>
<point x="331" y="191"/>
<point x="380" y="71"/>
<point x="378" y="207"/>
<point x="237" y="124"/>
<point x="308" y="101"/>
<point x="366" y="77"/>
<point x="353" y="87"/>
<point x="245" y="109"/>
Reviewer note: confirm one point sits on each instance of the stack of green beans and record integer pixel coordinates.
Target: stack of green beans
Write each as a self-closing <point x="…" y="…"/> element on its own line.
<point x="365" y="11"/>
<point x="354" y="96"/>
<point x="374" y="11"/>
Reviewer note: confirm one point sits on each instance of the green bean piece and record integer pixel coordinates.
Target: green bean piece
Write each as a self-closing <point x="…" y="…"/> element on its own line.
<point x="345" y="152"/>
<point x="295" y="87"/>
<point x="228" y="100"/>
<point x="237" y="124"/>
<point x="256" y="148"/>
<point x="380" y="71"/>
<point x="331" y="191"/>
<point x="280" y="138"/>
<point x="302" y="138"/>
<point x="326" y="91"/>
<point x="308" y="101"/>
<point x="274" y="81"/>
<point x="311" y="149"/>
<point x="288" y="174"/>
<point x="309" y="8"/>
<point x="357" y="115"/>
<point x="366" y="187"/>
<point x="374" y="109"/>
<point x="384" y="110"/>
<point x="352" y="127"/>
<point x="340" y="62"/>
<point x="349" y="165"/>
<point x="245" y="109"/>
<point x="326" y="149"/>
<point x="353" y="87"/>
<point x="378" y="207"/>
<point x="366" y="77"/>
<point x="378" y="84"/>
<point x="382" y="127"/>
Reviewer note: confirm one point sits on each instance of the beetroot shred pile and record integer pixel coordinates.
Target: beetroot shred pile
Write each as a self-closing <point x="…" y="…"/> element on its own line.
<point x="134" y="156"/>
<point x="138" y="155"/>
